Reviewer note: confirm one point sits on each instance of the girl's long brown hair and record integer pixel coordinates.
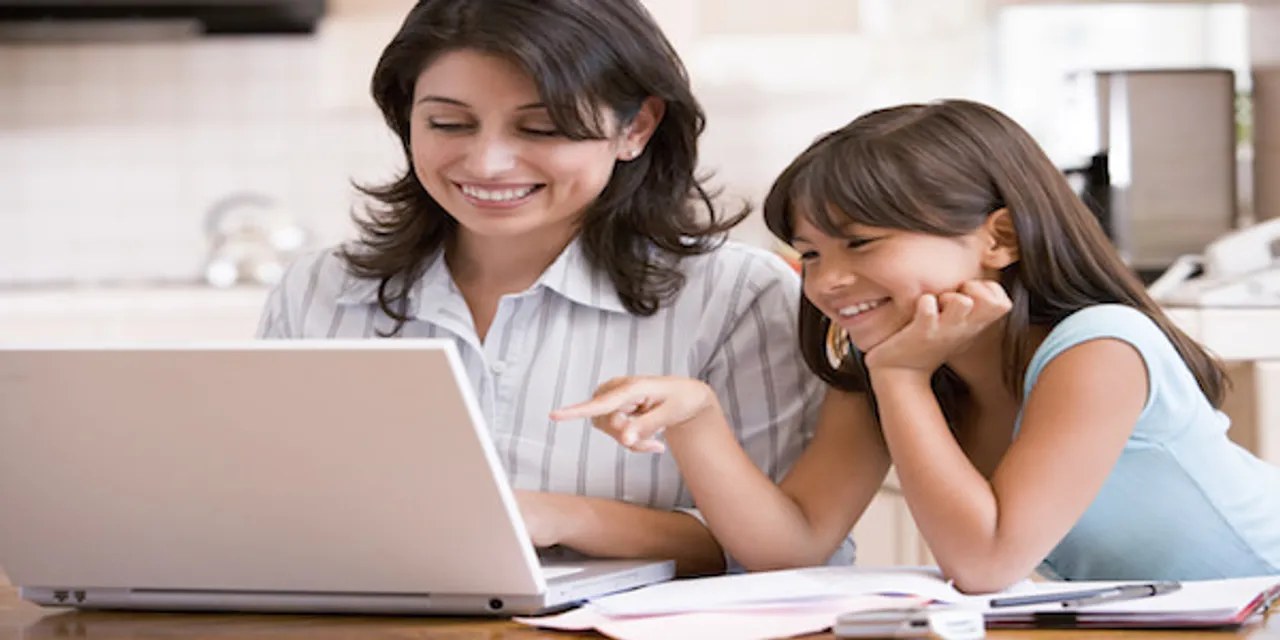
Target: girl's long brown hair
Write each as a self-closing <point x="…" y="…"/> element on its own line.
<point x="941" y="168"/>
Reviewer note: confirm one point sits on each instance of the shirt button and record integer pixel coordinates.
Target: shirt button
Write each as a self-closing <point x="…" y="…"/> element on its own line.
<point x="498" y="368"/>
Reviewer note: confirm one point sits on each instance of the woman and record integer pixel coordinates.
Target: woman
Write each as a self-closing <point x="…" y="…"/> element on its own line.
<point x="549" y="222"/>
<point x="977" y="329"/>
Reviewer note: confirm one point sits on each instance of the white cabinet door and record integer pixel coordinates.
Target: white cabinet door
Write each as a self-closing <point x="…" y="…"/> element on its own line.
<point x="886" y="534"/>
<point x="877" y="533"/>
<point x="1253" y="404"/>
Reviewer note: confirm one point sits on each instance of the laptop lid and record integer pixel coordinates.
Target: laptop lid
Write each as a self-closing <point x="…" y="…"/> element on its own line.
<point x="355" y="467"/>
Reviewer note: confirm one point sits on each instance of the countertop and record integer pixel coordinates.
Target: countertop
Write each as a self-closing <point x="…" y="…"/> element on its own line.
<point x="70" y="299"/>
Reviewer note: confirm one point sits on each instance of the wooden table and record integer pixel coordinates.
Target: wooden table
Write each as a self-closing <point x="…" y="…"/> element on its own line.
<point x="20" y="619"/>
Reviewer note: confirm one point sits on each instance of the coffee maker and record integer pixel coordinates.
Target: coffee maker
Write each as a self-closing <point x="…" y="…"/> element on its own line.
<point x="1162" y="181"/>
<point x="1092" y="182"/>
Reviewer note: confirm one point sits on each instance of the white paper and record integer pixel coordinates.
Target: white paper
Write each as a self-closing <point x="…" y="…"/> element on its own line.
<point x="780" y="604"/>
<point x="801" y="586"/>
<point x="794" y="585"/>
<point x="737" y="623"/>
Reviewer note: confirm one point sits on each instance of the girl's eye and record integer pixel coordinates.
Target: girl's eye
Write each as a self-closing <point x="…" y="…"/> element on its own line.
<point x="808" y="255"/>
<point x="858" y="243"/>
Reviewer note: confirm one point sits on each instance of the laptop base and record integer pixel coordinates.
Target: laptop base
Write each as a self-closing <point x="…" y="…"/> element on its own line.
<point x="597" y="579"/>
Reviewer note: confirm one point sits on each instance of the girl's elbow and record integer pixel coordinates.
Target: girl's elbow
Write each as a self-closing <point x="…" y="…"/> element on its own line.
<point x="792" y="559"/>
<point x="770" y="565"/>
<point x="983" y="577"/>
<point x="978" y="583"/>
<point x="793" y="550"/>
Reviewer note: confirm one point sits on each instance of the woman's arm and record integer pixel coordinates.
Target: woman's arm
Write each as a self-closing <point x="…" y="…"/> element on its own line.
<point x="799" y="522"/>
<point x="988" y="534"/>
<point x="606" y="528"/>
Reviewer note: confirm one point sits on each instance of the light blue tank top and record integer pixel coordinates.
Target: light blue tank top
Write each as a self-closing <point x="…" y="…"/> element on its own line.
<point x="1184" y="502"/>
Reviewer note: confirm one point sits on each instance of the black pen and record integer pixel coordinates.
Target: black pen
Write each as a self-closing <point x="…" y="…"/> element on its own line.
<point x="1071" y="599"/>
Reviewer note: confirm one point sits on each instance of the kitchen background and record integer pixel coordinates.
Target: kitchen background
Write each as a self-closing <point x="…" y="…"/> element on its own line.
<point x="149" y="179"/>
<point x="115" y="155"/>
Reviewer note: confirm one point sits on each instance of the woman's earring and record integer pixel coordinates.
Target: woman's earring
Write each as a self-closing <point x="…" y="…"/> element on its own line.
<point x="838" y="345"/>
<point x="632" y="154"/>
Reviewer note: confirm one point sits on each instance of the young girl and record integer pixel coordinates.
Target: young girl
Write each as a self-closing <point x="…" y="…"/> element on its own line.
<point x="977" y="329"/>
<point x="549" y="222"/>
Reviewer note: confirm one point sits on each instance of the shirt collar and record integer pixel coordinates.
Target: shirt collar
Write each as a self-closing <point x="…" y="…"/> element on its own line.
<point x="433" y="285"/>
<point x="570" y="276"/>
<point x="573" y="277"/>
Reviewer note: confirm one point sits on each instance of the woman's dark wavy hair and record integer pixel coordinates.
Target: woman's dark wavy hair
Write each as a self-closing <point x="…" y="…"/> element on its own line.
<point x="942" y="168"/>
<point x="588" y="58"/>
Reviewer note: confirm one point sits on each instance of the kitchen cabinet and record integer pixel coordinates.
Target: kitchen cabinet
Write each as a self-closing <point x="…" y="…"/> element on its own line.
<point x="886" y="535"/>
<point x="1254" y="407"/>
<point x="1248" y="341"/>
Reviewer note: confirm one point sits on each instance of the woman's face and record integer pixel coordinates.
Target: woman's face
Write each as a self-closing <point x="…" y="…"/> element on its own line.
<point x="485" y="148"/>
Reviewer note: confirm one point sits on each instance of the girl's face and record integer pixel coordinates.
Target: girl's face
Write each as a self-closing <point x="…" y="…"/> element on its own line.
<point x="868" y="281"/>
<point x="485" y="148"/>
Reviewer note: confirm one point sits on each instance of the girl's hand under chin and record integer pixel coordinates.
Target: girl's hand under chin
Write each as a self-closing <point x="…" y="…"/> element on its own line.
<point x="942" y="324"/>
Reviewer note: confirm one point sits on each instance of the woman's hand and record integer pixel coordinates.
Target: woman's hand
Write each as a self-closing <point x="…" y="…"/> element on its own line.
<point x="941" y="325"/>
<point x="542" y="515"/>
<point x="636" y="410"/>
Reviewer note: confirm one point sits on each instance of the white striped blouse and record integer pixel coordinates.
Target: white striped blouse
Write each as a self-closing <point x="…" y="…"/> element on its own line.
<point x="732" y="325"/>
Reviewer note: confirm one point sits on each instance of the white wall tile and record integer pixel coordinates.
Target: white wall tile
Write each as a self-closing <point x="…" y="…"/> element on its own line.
<point x="111" y="154"/>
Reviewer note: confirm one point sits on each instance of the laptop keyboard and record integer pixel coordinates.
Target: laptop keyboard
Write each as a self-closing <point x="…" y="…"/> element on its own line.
<point x="549" y="573"/>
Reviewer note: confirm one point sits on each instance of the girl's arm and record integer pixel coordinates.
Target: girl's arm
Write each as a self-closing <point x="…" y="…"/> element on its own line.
<point x="798" y="522"/>
<point x="988" y="534"/>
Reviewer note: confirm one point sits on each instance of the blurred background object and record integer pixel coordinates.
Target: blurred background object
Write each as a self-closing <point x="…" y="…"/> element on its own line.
<point x="1162" y="180"/>
<point x="252" y="240"/>
<point x="89" y="20"/>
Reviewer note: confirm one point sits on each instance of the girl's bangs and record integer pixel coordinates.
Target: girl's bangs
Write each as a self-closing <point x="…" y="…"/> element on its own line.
<point x="856" y="185"/>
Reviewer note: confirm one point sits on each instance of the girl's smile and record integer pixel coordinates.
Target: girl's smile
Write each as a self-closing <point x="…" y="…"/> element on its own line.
<point x="854" y="315"/>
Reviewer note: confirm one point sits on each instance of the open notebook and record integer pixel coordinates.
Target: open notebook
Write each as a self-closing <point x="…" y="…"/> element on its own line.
<point x="799" y="601"/>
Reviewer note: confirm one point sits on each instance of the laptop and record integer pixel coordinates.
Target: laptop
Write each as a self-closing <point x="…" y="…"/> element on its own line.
<point x="270" y="476"/>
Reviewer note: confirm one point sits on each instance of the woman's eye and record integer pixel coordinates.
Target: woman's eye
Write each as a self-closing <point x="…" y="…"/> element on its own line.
<point x="544" y="133"/>
<point x="447" y="126"/>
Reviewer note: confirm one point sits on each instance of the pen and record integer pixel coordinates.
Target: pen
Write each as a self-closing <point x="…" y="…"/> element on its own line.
<point x="1128" y="592"/>
<point x="1086" y="597"/>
